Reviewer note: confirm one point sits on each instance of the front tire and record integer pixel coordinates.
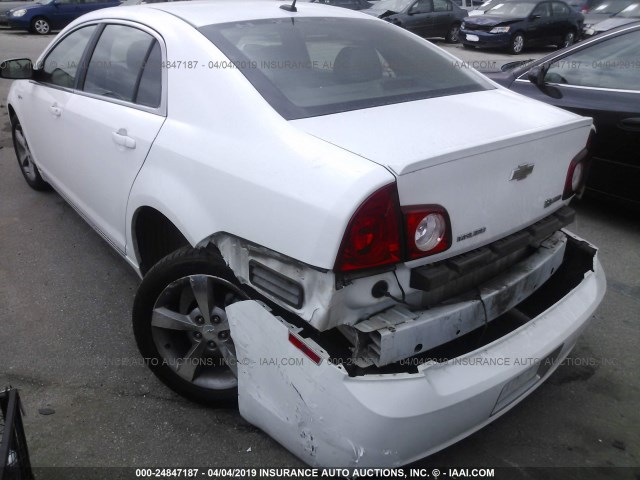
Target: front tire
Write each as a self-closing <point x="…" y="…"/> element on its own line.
<point x="41" y="26"/>
<point x="453" y="36"/>
<point x="517" y="44"/>
<point x="28" y="168"/>
<point x="181" y="328"/>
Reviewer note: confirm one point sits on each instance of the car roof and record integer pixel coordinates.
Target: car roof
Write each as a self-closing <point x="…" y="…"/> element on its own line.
<point x="207" y="12"/>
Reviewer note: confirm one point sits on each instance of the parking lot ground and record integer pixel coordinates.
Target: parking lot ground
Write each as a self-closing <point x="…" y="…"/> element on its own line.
<point x="66" y="343"/>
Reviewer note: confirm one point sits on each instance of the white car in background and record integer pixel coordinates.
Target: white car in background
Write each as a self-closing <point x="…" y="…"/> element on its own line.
<point x="315" y="239"/>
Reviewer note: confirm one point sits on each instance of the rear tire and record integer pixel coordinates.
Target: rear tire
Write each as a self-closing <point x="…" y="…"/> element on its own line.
<point x="453" y="36"/>
<point x="180" y="324"/>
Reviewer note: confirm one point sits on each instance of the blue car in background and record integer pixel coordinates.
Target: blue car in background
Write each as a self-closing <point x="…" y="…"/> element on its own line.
<point x="47" y="15"/>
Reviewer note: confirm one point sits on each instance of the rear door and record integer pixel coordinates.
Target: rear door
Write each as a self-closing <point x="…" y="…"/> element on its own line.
<point x="64" y="12"/>
<point x="561" y="24"/>
<point x="442" y="17"/>
<point x="601" y="81"/>
<point x="540" y="29"/>
<point x="112" y="122"/>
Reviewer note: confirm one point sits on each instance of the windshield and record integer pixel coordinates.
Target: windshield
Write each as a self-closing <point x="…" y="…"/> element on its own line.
<point x="318" y="66"/>
<point x="512" y="9"/>
<point x="610" y="7"/>
<point x="392" y="5"/>
<point x="632" y="11"/>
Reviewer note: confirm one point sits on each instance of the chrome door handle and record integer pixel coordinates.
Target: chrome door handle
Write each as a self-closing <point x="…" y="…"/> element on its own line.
<point x="121" y="138"/>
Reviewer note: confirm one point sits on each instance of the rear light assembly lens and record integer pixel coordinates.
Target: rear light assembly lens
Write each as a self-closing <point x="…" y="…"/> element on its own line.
<point x="428" y="230"/>
<point x="375" y="234"/>
<point x="372" y="238"/>
<point x="576" y="178"/>
<point x="577" y="173"/>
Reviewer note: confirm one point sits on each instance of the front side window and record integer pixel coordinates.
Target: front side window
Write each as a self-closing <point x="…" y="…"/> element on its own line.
<point x="543" y="10"/>
<point x="61" y="65"/>
<point x="125" y="65"/>
<point x="319" y="66"/>
<point x="613" y="64"/>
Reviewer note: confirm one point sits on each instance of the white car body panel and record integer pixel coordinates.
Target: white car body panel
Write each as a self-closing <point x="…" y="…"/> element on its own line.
<point x="329" y="419"/>
<point x="227" y="170"/>
<point x="429" y="149"/>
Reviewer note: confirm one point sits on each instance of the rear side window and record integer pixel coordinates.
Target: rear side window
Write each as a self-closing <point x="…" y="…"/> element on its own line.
<point x="559" y="9"/>
<point x="319" y="66"/>
<point x="126" y="65"/>
<point x="441" y="6"/>
<point x="61" y="65"/>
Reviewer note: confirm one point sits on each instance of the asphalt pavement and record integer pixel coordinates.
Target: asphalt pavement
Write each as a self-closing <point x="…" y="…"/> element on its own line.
<point x="66" y="342"/>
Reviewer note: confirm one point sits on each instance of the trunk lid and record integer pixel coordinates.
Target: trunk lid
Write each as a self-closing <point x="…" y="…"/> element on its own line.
<point x="466" y="153"/>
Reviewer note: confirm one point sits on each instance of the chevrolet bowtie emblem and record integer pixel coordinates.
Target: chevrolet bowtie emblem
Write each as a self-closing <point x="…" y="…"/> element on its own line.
<point x="522" y="172"/>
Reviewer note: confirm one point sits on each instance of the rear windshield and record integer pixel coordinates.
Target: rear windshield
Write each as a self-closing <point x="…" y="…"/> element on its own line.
<point x="306" y="67"/>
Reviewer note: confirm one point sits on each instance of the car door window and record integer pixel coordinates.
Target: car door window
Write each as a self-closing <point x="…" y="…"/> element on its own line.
<point x="125" y="59"/>
<point x="422" y="6"/>
<point x="61" y="65"/>
<point x="612" y="64"/>
<point x="441" y="6"/>
<point x="543" y="10"/>
<point x="559" y="9"/>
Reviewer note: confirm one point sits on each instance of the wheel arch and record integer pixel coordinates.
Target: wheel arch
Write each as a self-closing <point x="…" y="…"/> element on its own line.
<point x="13" y="116"/>
<point x="154" y="236"/>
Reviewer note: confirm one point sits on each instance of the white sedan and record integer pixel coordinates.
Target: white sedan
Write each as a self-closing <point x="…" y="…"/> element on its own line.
<point x="319" y="237"/>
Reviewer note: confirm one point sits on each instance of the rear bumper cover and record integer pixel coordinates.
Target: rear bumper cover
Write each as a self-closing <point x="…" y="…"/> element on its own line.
<point x="329" y="419"/>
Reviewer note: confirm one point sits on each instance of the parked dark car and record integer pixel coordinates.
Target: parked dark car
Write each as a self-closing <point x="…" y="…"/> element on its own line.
<point x="583" y="6"/>
<point x="597" y="78"/>
<point x="629" y="14"/>
<point x="603" y="10"/>
<point x="350" y="4"/>
<point x="47" y="15"/>
<point x="514" y="25"/>
<point x="6" y="5"/>
<point x="427" y="18"/>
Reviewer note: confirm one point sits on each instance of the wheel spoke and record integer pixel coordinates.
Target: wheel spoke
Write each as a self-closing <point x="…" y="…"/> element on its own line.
<point x="190" y="362"/>
<point x="203" y="292"/>
<point x="164" y="318"/>
<point x="228" y="351"/>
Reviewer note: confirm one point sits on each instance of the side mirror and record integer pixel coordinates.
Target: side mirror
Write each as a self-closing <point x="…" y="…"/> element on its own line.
<point x="536" y="76"/>
<point x="16" y="69"/>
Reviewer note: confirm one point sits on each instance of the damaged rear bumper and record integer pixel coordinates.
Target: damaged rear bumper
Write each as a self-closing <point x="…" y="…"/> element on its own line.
<point x="331" y="419"/>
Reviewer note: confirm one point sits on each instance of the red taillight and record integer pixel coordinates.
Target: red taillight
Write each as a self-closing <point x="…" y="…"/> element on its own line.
<point x="372" y="238"/>
<point x="577" y="173"/>
<point x="427" y="230"/>
<point x="374" y="235"/>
